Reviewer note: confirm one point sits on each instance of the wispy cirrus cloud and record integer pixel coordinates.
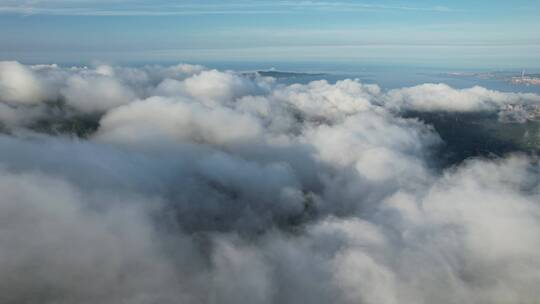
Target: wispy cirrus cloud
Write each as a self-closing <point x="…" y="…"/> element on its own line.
<point x="151" y="8"/>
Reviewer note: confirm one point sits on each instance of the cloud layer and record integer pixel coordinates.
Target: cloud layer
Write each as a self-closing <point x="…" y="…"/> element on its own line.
<point x="166" y="7"/>
<point x="320" y="193"/>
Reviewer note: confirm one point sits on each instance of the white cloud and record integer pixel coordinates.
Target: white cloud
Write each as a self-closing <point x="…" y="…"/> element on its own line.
<point x="96" y="93"/>
<point x="441" y="97"/>
<point x="311" y="193"/>
<point x="167" y="119"/>
<point x="164" y="8"/>
<point x="18" y="84"/>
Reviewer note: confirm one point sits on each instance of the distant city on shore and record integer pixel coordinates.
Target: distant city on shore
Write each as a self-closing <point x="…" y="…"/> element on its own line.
<point x="523" y="78"/>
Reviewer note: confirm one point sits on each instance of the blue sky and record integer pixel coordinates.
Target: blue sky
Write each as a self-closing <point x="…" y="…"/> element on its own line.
<point x="480" y="33"/>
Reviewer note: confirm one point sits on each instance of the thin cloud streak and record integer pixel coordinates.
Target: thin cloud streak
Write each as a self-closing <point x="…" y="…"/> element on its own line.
<point x="120" y="8"/>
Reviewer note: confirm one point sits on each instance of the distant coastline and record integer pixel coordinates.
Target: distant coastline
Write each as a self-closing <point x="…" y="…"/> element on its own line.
<point x="510" y="77"/>
<point x="282" y="74"/>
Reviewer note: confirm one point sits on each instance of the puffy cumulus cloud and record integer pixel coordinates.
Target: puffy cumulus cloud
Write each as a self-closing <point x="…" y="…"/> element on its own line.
<point x="57" y="248"/>
<point x="320" y="100"/>
<point x="50" y="92"/>
<point x="169" y="119"/>
<point x="473" y="236"/>
<point x="204" y="188"/>
<point x="310" y="193"/>
<point x="75" y="91"/>
<point x="456" y="242"/>
<point x="213" y="86"/>
<point x="146" y="80"/>
<point x="178" y="72"/>
<point x="96" y="93"/>
<point x="343" y="144"/>
<point x="441" y="97"/>
<point x="374" y="155"/>
<point x="18" y="84"/>
<point x="461" y="241"/>
<point x="275" y="116"/>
